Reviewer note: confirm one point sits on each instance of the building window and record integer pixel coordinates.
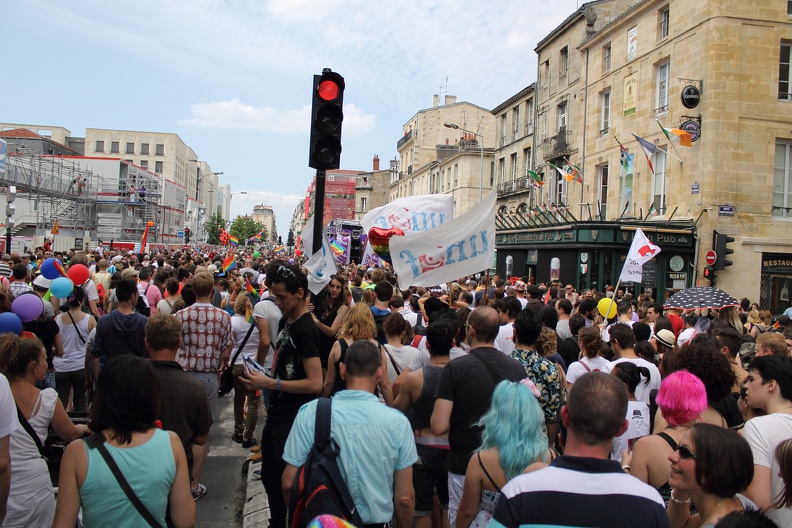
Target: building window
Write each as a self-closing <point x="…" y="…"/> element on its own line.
<point x="114" y="147"/>
<point x="130" y="148"/>
<point x="99" y="146"/>
<point x="160" y="150"/>
<point x="564" y="61"/>
<point x="144" y="164"/>
<point x="663" y="20"/>
<point x="558" y="188"/>
<point x="662" y="71"/>
<point x="785" y="72"/>
<point x="605" y="112"/>
<point x="529" y="115"/>
<point x="602" y="192"/>
<point x="456" y="175"/>
<point x="516" y="122"/>
<point x="606" y="58"/>
<point x="659" y="182"/>
<point x="158" y="167"/>
<point x="504" y="129"/>
<point x="545" y="73"/>
<point x="363" y="204"/>
<point x="492" y="173"/>
<point x="782" y="181"/>
<point x="514" y="166"/>
<point x="144" y="149"/>
<point x="502" y="170"/>
<point x="562" y="116"/>
<point x="527" y="159"/>
<point x="789" y="7"/>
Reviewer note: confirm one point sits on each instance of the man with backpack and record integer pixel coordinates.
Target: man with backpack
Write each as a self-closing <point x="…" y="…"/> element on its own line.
<point x="383" y="291"/>
<point x="377" y="448"/>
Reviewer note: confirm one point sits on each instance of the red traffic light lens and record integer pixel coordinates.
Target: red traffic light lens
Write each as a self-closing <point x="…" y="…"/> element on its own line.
<point x="328" y="90"/>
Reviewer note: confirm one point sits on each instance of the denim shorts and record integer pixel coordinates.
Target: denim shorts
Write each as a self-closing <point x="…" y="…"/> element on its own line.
<point x="429" y="475"/>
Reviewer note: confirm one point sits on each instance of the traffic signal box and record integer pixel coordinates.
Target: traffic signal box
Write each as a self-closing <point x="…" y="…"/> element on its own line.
<point x="326" y="118"/>
<point x="722" y="249"/>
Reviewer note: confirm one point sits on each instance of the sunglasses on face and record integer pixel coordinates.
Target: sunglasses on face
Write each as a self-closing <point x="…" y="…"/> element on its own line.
<point x="685" y="453"/>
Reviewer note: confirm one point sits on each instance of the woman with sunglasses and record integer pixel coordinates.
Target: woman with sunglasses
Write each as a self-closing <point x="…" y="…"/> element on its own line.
<point x="709" y="468"/>
<point x="681" y="400"/>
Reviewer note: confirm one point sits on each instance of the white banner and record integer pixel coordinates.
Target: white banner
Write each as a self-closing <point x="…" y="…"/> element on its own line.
<point x="412" y="214"/>
<point x="306" y="237"/>
<point x="641" y="251"/>
<point x="457" y="248"/>
<point x="320" y="267"/>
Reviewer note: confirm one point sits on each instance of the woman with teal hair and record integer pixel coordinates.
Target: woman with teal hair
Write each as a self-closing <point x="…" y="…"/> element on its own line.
<point x="513" y="438"/>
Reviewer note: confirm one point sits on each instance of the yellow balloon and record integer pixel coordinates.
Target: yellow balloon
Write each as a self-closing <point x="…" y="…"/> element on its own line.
<point x="607" y="306"/>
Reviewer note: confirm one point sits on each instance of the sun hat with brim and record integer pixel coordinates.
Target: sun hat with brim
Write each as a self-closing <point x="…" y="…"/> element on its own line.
<point x="666" y="338"/>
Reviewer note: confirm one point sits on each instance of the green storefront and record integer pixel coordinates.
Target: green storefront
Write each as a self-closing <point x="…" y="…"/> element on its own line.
<point x="590" y="255"/>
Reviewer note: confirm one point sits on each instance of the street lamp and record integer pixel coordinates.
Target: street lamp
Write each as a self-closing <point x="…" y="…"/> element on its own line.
<point x="481" y="148"/>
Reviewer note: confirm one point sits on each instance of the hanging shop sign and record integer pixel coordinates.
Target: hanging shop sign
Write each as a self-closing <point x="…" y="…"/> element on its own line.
<point x="691" y="96"/>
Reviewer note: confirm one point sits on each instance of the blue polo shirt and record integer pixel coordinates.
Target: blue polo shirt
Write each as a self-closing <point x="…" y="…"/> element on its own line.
<point x="375" y="441"/>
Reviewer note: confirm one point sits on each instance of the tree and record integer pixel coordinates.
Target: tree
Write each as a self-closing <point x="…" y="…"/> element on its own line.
<point x="245" y="227"/>
<point x="214" y="225"/>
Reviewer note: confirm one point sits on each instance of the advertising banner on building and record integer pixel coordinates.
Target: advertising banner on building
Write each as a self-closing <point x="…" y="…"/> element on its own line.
<point x="626" y="172"/>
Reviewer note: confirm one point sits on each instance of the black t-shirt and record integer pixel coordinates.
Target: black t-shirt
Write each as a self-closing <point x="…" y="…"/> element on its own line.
<point x="468" y="383"/>
<point x="296" y="341"/>
<point x="45" y="330"/>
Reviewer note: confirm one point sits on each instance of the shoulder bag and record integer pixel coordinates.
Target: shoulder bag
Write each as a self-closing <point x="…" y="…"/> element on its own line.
<point x="227" y="377"/>
<point x="97" y="442"/>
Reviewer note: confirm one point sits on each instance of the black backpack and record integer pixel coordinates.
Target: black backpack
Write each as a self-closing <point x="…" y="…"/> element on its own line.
<point x="378" y="320"/>
<point x="318" y="487"/>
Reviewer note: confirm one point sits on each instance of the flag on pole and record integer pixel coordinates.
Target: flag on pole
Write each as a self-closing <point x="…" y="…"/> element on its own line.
<point x="279" y="249"/>
<point x="577" y="172"/>
<point x="234" y="241"/>
<point x="142" y="246"/>
<point x="463" y="246"/>
<point x="229" y="263"/>
<point x="564" y="174"/>
<point x="623" y="155"/>
<point x="537" y="179"/>
<point x="321" y="266"/>
<point x="250" y="289"/>
<point x="648" y="149"/>
<point x="677" y="136"/>
<point x="642" y="250"/>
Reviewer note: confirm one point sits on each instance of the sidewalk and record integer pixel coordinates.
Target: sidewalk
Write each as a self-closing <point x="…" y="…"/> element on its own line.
<point x="256" y="512"/>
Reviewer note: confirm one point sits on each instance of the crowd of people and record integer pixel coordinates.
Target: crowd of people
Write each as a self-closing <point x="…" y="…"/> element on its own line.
<point x="482" y="401"/>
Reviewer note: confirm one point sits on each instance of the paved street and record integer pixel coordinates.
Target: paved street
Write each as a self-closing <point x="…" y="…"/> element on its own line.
<point x="222" y="473"/>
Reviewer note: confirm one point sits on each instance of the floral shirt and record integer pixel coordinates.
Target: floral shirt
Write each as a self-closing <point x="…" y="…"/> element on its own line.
<point x="544" y="374"/>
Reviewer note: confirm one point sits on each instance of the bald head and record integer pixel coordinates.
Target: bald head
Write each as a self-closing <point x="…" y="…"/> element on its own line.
<point x="485" y="323"/>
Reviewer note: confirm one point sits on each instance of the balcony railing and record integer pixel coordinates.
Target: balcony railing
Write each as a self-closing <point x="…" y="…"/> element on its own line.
<point x="514" y="186"/>
<point x="407" y="137"/>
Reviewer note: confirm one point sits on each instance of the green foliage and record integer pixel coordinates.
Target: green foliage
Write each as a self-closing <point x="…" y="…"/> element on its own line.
<point x="213" y="226"/>
<point x="244" y="227"/>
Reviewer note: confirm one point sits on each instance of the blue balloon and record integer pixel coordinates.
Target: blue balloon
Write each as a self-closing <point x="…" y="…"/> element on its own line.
<point x="62" y="287"/>
<point x="10" y="323"/>
<point x="48" y="269"/>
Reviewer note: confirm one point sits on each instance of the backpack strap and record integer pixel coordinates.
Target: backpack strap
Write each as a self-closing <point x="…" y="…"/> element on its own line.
<point x="97" y="442"/>
<point x="323" y="414"/>
<point x="584" y="366"/>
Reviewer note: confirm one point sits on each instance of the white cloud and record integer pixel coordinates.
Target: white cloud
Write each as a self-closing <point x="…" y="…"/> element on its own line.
<point x="235" y="114"/>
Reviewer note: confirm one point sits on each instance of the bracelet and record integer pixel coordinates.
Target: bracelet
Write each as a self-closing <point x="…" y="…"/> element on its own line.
<point x="277" y="380"/>
<point x="626" y="467"/>
<point x="677" y="501"/>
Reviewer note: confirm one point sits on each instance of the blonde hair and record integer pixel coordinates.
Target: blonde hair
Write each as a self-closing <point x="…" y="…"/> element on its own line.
<point x="547" y="343"/>
<point x="753" y="317"/>
<point x="359" y="323"/>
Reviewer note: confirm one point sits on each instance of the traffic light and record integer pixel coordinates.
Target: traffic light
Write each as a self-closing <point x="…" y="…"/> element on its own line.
<point x="10" y="206"/>
<point x="290" y="239"/>
<point x="187" y="234"/>
<point x="326" y="118"/>
<point x="709" y="273"/>
<point x="722" y="242"/>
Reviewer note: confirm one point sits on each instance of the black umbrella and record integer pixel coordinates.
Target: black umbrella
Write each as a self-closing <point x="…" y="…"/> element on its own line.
<point x="700" y="297"/>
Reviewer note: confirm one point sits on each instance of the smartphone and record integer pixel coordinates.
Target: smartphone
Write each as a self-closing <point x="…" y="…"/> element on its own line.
<point x="254" y="365"/>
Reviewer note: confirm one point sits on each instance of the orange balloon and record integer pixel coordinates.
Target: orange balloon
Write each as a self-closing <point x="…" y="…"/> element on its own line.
<point x="151" y="224"/>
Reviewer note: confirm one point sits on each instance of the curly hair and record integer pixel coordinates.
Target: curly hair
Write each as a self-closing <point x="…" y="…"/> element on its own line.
<point x="703" y="358"/>
<point x="359" y="323"/>
<point x="547" y="343"/>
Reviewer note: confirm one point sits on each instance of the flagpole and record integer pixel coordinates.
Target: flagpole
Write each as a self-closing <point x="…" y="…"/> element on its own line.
<point x="671" y="142"/>
<point x="669" y="154"/>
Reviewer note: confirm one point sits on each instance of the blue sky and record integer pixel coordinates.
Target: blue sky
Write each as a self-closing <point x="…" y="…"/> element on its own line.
<point x="233" y="78"/>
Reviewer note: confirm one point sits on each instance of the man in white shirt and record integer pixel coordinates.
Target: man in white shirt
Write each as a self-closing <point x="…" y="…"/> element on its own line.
<point x="622" y="341"/>
<point x="397" y="305"/>
<point x="625" y="311"/>
<point x="508" y="308"/>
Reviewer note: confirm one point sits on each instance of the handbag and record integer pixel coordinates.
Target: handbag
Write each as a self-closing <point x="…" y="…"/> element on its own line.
<point x="97" y="442"/>
<point x="227" y="377"/>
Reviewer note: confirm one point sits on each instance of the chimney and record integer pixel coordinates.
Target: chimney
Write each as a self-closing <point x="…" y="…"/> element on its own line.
<point x="450" y="99"/>
<point x="376" y="163"/>
<point x="435" y="100"/>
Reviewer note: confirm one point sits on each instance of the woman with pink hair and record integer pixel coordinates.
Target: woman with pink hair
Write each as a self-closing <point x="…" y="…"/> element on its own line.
<point x="681" y="400"/>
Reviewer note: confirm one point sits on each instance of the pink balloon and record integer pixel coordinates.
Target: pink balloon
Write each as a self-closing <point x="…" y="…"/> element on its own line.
<point x="78" y="274"/>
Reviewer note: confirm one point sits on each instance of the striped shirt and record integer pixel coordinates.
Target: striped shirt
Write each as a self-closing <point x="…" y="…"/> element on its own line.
<point x="577" y="491"/>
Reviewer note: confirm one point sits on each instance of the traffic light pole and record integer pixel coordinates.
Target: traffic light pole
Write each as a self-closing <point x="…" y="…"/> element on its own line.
<point x="319" y="210"/>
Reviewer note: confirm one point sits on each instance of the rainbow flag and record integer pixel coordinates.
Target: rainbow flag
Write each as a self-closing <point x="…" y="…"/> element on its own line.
<point x="279" y="249"/>
<point x="258" y="236"/>
<point x="250" y="289"/>
<point x="229" y="263"/>
<point x="337" y="247"/>
<point x="142" y="247"/>
<point x="234" y="241"/>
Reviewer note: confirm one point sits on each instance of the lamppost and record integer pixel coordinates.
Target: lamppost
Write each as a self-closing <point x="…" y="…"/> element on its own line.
<point x="481" y="148"/>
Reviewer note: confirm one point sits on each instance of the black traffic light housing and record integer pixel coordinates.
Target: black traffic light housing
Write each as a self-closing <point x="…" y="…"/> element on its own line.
<point x="722" y="249"/>
<point x="709" y="273"/>
<point x="290" y="239"/>
<point x="326" y="118"/>
<point x="187" y="234"/>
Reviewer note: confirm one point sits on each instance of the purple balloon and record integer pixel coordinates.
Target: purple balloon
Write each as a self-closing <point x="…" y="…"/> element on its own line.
<point x="10" y="323"/>
<point x="28" y="307"/>
<point x="291" y="261"/>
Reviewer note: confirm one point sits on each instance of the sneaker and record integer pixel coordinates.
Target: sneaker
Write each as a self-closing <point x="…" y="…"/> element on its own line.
<point x="256" y="457"/>
<point x="237" y="438"/>
<point x="249" y="442"/>
<point x="198" y="493"/>
<point x="255" y="449"/>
